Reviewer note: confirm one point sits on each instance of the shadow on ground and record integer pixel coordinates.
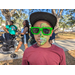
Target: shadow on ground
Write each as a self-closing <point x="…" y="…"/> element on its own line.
<point x="70" y="60"/>
<point x="11" y="62"/>
<point x="66" y="44"/>
<point x="61" y="46"/>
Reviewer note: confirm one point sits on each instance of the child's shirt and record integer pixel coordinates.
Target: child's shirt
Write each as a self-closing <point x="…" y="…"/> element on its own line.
<point x="36" y="55"/>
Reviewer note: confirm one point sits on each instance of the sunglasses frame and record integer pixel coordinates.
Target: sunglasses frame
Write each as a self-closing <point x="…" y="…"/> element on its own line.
<point x="41" y="29"/>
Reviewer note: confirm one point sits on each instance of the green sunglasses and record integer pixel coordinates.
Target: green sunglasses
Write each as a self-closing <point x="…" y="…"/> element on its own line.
<point x="45" y="30"/>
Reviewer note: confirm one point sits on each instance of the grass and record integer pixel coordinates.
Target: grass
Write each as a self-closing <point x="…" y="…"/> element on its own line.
<point x="65" y="35"/>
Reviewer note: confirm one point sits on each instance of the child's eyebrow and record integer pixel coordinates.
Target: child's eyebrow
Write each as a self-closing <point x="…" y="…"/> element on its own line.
<point x="45" y="26"/>
<point x="36" y="26"/>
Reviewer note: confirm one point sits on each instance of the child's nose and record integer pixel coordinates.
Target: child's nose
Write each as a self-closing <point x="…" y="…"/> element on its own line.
<point x="41" y="35"/>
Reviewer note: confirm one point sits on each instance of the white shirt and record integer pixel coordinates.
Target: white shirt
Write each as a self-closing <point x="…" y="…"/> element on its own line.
<point x="22" y="32"/>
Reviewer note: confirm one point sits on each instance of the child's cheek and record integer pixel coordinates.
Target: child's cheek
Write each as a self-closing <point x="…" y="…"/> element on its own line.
<point x="43" y="38"/>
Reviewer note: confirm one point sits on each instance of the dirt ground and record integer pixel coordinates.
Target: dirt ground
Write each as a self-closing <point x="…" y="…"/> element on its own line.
<point x="11" y="62"/>
<point x="70" y="55"/>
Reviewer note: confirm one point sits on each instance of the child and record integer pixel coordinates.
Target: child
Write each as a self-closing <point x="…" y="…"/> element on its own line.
<point x="43" y="53"/>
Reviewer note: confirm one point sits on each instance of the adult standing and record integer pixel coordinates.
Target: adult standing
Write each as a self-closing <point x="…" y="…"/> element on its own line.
<point x="24" y="35"/>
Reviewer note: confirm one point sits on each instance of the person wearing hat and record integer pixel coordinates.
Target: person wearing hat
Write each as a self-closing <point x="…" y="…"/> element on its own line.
<point x="43" y="53"/>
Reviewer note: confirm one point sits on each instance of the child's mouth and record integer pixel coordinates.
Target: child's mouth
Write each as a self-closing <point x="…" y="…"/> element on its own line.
<point x="40" y="40"/>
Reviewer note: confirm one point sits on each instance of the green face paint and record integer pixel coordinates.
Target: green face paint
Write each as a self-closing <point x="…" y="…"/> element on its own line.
<point x="43" y="38"/>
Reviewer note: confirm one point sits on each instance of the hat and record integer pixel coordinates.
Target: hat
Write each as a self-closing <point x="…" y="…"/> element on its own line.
<point x="37" y="16"/>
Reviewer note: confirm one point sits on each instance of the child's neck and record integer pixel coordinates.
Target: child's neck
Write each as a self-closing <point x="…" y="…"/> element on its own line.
<point x="46" y="45"/>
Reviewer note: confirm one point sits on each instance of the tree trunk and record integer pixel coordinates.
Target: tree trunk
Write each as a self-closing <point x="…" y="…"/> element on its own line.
<point x="8" y="19"/>
<point x="63" y="29"/>
<point x="56" y="29"/>
<point x="58" y="15"/>
<point x="8" y="14"/>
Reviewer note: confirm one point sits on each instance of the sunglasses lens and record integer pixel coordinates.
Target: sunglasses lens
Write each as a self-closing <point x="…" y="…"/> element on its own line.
<point x="46" y="31"/>
<point x="35" y="30"/>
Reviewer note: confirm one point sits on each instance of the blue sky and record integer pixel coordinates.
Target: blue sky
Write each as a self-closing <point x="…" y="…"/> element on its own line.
<point x="64" y="13"/>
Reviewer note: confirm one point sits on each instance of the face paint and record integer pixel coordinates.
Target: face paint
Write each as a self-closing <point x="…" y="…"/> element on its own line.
<point x="43" y="38"/>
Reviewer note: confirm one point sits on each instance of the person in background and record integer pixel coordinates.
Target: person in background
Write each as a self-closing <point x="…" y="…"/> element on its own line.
<point x="52" y="38"/>
<point x="32" y="40"/>
<point x="24" y="35"/>
<point x="10" y="31"/>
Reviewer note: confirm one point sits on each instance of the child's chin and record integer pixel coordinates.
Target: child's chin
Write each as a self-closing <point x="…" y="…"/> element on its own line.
<point x="40" y="44"/>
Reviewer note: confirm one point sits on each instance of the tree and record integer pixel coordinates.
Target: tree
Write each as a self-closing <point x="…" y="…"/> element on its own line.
<point x="63" y="25"/>
<point x="18" y="17"/>
<point x="65" y="21"/>
<point x="71" y="20"/>
<point x="8" y="13"/>
<point x="58" y="15"/>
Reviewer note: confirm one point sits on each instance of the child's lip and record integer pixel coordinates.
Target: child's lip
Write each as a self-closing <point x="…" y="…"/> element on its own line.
<point x="39" y="40"/>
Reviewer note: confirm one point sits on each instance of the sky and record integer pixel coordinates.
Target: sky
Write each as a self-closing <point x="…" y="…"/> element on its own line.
<point x="27" y="12"/>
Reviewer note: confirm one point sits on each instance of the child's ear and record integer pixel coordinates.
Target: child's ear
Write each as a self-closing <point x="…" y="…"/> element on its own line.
<point x="51" y="33"/>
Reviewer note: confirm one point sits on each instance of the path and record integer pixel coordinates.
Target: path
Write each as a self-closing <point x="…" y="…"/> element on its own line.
<point x="19" y="53"/>
<point x="66" y="44"/>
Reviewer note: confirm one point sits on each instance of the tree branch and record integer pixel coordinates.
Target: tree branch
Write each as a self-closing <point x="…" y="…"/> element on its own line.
<point x="53" y="11"/>
<point x="3" y="12"/>
<point x="12" y="12"/>
<point x="6" y="10"/>
<point x="60" y="12"/>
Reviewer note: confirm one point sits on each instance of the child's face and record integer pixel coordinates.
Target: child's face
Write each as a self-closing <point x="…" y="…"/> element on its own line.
<point x="40" y="38"/>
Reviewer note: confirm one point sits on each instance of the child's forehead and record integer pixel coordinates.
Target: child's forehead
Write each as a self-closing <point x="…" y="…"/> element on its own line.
<point x="42" y="24"/>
